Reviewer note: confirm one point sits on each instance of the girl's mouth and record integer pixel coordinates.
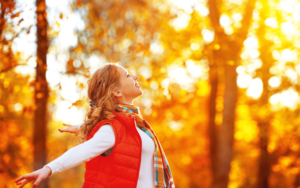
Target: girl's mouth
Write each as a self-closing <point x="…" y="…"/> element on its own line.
<point x="136" y="85"/>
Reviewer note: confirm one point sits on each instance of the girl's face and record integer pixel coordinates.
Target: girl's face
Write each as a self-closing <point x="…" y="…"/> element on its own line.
<point x="129" y="87"/>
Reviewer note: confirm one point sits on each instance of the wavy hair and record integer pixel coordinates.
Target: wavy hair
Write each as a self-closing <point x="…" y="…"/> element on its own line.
<point x="100" y="87"/>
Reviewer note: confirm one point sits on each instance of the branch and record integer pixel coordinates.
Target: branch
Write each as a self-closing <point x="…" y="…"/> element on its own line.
<point x="2" y="22"/>
<point x="11" y="67"/>
<point x="214" y="15"/>
<point x="242" y="33"/>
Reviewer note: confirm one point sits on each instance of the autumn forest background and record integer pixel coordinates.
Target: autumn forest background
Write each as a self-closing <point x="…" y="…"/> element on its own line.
<point x="220" y="81"/>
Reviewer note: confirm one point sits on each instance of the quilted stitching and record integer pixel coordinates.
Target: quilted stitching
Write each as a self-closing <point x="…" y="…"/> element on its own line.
<point x="117" y="174"/>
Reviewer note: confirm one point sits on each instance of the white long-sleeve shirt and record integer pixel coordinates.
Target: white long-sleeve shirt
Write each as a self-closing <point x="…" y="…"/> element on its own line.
<point x="103" y="140"/>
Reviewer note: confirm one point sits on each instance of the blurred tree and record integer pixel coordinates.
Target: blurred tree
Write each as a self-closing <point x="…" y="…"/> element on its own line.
<point x="41" y="90"/>
<point x="15" y="112"/>
<point x="118" y="31"/>
<point x="261" y="109"/>
<point x="16" y="125"/>
<point x="8" y="58"/>
<point x="225" y="56"/>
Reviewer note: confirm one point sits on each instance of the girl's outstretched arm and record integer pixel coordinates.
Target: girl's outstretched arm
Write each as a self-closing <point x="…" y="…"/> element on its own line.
<point x="103" y="140"/>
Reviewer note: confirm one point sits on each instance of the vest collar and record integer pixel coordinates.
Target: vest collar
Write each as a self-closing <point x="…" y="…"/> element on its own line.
<point x="125" y="120"/>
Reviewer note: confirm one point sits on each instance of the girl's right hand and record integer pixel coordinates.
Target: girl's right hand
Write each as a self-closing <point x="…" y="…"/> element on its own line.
<point x="70" y="129"/>
<point x="36" y="176"/>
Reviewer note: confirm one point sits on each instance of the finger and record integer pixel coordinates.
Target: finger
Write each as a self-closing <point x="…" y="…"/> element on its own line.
<point x="24" y="183"/>
<point x="68" y="125"/>
<point x="19" y="183"/>
<point x="37" y="182"/>
<point x="64" y="130"/>
<point x="21" y="178"/>
<point x="68" y="129"/>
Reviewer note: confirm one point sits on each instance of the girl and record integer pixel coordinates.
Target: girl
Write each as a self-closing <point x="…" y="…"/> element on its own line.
<point x="119" y="147"/>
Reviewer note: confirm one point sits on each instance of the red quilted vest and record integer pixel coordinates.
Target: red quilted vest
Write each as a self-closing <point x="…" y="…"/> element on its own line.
<point x="121" y="168"/>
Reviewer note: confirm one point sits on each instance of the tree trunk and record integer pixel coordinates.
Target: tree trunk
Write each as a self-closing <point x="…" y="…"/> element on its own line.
<point x="263" y="122"/>
<point x="213" y="76"/>
<point x="225" y="142"/>
<point x="264" y="166"/>
<point x="229" y="52"/>
<point x="41" y="90"/>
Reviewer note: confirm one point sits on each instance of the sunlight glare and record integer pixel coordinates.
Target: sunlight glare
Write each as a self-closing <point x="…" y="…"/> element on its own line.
<point x="257" y="63"/>
<point x="68" y="91"/>
<point x="297" y="68"/>
<point x="276" y="54"/>
<point x="274" y="99"/>
<point x="53" y="78"/>
<point x="288" y="98"/>
<point x="185" y="5"/>
<point x="225" y="21"/>
<point x="244" y="80"/>
<point x="208" y="35"/>
<point x="202" y="9"/>
<point x="253" y="54"/>
<point x="145" y="71"/>
<point x="288" y="55"/>
<point x="240" y="69"/>
<point x="195" y="46"/>
<point x="157" y="48"/>
<point x="275" y="81"/>
<point x="18" y="107"/>
<point x="95" y="62"/>
<point x="255" y="89"/>
<point x="181" y="22"/>
<point x="68" y="115"/>
<point x="175" y="126"/>
<point x="287" y="5"/>
<point x="165" y="83"/>
<point x="237" y="17"/>
<point x="288" y="28"/>
<point x="25" y="70"/>
<point x="251" y="43"/>
<point x="272" y="22"/>
<point x="194" y="70"/>
<point x="292" y="75"/>
<point x="180" y="76"/>
<point x="296" y="14"/>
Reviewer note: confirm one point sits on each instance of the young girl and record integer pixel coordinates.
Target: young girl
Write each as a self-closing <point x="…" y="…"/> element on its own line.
<point x="119" y="147"/>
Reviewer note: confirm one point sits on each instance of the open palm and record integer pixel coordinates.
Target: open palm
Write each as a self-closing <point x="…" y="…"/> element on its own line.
<point x="70" y="129"/>
<point x="36" y="176"/>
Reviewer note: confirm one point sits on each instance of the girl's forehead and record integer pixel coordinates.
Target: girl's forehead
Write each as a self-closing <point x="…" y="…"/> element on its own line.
<point x="123" y="69"/>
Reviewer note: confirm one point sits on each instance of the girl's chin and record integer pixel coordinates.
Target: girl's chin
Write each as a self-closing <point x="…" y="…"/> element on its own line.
<point x="141" y="92"/>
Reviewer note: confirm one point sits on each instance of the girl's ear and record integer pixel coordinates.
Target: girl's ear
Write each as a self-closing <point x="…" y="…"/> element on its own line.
<point x="117" y="93"/>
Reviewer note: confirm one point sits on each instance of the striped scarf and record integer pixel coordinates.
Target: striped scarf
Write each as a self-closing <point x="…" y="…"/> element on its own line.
<point x="162" y="171"/>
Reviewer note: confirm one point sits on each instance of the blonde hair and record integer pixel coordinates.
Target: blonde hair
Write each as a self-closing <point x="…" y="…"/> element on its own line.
<point x="100" y="87"/>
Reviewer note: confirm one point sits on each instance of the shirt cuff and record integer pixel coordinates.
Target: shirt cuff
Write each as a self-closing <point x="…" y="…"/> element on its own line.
<point x="54" y="168"/>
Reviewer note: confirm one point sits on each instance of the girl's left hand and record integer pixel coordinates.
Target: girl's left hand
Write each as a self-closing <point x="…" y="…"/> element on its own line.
<point x="70" y="129"/>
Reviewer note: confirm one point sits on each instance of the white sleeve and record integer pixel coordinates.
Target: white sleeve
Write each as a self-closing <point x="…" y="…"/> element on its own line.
<point x="103" y="140"/>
